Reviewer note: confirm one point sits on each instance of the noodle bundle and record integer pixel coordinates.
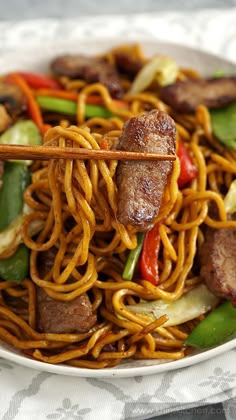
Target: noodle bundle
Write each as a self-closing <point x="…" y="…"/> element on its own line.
<point x="75" y="203"/>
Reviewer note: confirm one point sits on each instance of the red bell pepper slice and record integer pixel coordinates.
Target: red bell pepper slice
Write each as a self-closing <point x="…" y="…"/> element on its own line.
<point x="39" y="81"/>
<point x="188" y="170"/>
<point x="149" y="256"/>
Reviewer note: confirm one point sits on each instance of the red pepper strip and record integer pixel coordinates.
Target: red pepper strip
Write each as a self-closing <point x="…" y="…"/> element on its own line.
<point x="58" y="93"/>
<point x="104" y="144"/>
<point x="37" y="81"/>
<point x="188" y="170"/>
<point x="32" y="105"/>
<point x="149" y="255"/>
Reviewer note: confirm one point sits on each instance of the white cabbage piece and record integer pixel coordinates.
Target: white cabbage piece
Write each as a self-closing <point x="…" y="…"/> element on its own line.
<point x="162" y="69"/>
<point x="11" y="236"/>
<point x="196" y="302"/>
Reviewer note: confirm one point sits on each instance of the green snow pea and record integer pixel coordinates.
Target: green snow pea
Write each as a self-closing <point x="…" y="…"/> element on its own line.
<point x="223" y="122"/>
<point x="66" y="106"/>
<point x="215" y="328"/>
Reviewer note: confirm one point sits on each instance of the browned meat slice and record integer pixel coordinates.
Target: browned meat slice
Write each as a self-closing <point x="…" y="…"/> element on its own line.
<point x="184" y="96"/>
<point x="141" y="184"/>
<point x="1" y="168"/>
<point x="126" y="64"/>
<point x="56" y="316"/>
<point x="1" y="172"/>
<point x="46" y="261"/>
<point x="218" y="262"/>
<point x="91" y="69"/>
<point x="12" y="98"/>
<point x="5" y="119"/>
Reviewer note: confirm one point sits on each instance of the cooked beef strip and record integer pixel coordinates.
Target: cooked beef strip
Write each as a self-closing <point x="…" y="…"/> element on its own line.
<point x="218" y="262"/>
<point x="1" y="172"/>
<point x="184" y="96"/>
<point x="91" y="69"/>
<point x="141" y="184"/>
<point x="126" y="64"/>
<point x="1" y="168"/>
<point x="12" y="98"/>
<point x="5" y="119"/>
<point x="56" y="316"/>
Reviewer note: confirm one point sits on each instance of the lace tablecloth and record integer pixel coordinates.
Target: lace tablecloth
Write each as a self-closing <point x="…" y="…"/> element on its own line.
<point x="31" y="394"/>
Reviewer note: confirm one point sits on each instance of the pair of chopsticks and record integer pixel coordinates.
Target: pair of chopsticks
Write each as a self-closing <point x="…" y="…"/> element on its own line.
<point x="17" y="152"/>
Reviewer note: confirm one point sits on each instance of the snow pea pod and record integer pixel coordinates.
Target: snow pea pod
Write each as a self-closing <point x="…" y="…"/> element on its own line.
<point x="223" y="122"/>
<point x="66" y="106"/>
<point x="215" y="328"/>
<point x="15" y="179"/>
<point x="16" y="267"/>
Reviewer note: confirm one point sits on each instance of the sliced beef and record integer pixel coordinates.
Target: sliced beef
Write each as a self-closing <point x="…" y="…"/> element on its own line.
<point x="12" y="98"/>
<point x="184" y="96"/>
<point x="127" y="64"/>
<point x="141" y="184"/>
<point x="5" y="119"/>
<point x="218" y="262"/>
<point x="56" y="316"/>
<point x="1" y="168"/>
<point x="1" y="172"/>
<point x="91" y="69"/>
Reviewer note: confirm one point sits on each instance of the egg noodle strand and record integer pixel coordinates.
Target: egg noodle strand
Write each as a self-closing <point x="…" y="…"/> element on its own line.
<point x="76" y="203"/>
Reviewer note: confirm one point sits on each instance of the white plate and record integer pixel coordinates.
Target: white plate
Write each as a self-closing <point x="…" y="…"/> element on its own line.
<point x="207" y="64"/>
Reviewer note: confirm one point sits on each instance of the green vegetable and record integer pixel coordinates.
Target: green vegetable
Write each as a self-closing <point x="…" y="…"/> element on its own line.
<point x="133" y="258"/>
<point x="22" y="133"/>
<point x="223" y="122"/>
<point x="16" y="267"/>
<point x="191" y="305"/>
<point x="215" y="328"/>
<point x="218" y="73"/>
<point x="68" y="107"/>
<point x="15" y="179"/>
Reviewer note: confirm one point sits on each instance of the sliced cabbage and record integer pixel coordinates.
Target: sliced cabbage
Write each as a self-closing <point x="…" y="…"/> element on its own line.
<point x="23" y="132"/>
<point x="11" y="236"/>
<point x="161" y="69"/>
<point x="191" y="305"/>
<point x="230" y="199"/>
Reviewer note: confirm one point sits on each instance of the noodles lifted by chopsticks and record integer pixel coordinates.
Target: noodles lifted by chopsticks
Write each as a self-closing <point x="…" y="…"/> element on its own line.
<point x="84" y="247"/>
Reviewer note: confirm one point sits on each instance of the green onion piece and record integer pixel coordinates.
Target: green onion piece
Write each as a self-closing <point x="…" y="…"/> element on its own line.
<point x="133" y="258"/>
<point x="63" y="106"/>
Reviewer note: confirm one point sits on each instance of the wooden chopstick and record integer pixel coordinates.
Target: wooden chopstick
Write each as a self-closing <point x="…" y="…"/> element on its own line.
<point x="17" y="152"/>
